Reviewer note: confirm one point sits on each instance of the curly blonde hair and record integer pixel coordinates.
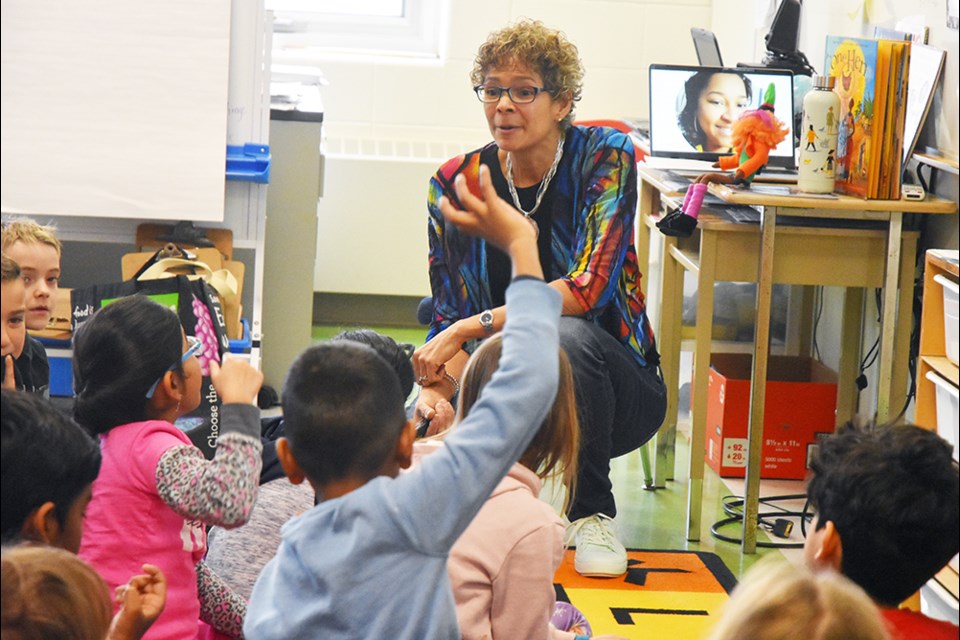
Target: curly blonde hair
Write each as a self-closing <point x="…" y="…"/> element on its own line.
<point x="532" y="44"/>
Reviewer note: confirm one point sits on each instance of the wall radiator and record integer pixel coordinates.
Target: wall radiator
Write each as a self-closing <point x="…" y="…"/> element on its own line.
<point x="372" y="232"/>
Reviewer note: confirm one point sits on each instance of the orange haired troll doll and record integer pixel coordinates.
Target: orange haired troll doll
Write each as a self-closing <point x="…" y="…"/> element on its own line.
<point x="755" y="134"/>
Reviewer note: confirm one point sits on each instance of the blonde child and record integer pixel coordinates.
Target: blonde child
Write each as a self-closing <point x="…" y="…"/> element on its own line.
<point x="36" y="249"/>
<point x="501" y="569"/>
<point x="370" y="560"/>
<point x="51" y="593"/>
<point x="135" y="373"/>
<point x="778" y="601"/>
<point x="13" y="309"/>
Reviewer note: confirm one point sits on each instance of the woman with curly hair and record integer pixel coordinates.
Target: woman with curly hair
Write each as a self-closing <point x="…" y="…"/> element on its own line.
<point x="579" y="186"/>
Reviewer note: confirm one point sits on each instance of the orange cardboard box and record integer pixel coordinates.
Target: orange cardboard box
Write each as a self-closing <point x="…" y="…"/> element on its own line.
<point x="800" y="409"/>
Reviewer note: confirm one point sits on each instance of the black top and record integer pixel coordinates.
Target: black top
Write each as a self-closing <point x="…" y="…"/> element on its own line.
<point x="499" y="268"/>
<point x="32" y="369"/>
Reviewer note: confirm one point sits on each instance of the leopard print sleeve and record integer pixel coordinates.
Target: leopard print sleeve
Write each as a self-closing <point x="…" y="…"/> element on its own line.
<point x="220" y="607"/>
<point x="221" y="491"/>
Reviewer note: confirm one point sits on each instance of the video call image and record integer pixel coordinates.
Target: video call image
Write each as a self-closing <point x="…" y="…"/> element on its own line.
<point x="693" y="109"/>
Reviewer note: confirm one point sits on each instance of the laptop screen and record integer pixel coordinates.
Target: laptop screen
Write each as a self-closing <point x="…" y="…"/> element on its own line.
<point x="693" y="109"/>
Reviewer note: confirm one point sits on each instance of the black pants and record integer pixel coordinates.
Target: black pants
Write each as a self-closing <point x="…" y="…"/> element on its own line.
<point x="620" y="404"/>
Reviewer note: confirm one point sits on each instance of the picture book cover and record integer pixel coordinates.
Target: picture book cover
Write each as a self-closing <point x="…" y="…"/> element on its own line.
<point x="899" y="79"/>
<point x="853" y="62"/>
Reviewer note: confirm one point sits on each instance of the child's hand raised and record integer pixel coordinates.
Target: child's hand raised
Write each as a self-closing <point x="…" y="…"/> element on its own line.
<point x="235" y="380"/>
<point x="496" y="221"/>
<point x="141" y="601"/>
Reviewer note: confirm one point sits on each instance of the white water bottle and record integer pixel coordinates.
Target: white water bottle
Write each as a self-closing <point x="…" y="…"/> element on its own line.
<point x="818" y="137"/>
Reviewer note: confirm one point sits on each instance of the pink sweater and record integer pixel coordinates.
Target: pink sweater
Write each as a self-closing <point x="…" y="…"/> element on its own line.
<point x="502" y="567"/>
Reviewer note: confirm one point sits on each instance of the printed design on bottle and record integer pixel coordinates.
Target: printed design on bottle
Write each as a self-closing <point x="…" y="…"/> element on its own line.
<point x="821" y="132"/>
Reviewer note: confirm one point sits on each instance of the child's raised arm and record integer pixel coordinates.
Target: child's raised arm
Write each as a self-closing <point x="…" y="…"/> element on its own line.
<point x="436" y="501"/>
<point x="497" y="222"/>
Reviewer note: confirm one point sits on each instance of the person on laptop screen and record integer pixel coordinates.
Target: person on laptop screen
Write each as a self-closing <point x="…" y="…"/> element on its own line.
<point x="712" y="101"/>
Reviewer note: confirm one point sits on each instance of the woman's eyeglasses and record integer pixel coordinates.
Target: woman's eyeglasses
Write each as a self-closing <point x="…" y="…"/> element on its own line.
<point x="194" y="346"/>
<point x="518" y="95"/>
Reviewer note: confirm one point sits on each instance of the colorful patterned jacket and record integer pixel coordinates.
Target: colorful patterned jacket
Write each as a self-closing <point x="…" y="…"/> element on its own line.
<point x="593" y="200"/>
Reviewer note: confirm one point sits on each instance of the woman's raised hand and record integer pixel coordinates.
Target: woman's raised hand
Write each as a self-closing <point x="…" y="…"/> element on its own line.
<point x="489" y="216"/>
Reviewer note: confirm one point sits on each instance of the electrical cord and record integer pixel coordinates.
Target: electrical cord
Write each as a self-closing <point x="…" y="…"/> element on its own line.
<point x="733" y="508"/>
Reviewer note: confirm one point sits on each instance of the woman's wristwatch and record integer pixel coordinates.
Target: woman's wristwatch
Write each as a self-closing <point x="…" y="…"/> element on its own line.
<point x="486" y="320"/>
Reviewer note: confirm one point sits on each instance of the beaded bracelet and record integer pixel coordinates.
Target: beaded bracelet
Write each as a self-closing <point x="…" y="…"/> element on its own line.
<point x="456" y="383"/>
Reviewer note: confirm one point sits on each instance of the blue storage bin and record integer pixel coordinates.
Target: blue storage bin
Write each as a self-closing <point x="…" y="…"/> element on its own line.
<point x="60" y="357"/>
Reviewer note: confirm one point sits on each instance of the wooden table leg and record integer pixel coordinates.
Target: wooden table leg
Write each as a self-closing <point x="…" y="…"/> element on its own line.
<point x="758" y="379"/>
<point x="668" y="336"/>
<point x="901" y="349"/>
<point x="891" y="280"/>
<point x="851" y="332"/>
<point x="703" y="338"/>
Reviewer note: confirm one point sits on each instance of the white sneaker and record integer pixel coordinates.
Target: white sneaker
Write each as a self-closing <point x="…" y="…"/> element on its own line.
<point x="599" y="553"/>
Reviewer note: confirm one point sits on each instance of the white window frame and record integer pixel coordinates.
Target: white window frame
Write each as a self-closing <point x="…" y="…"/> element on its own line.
<point x="302" y="35"/>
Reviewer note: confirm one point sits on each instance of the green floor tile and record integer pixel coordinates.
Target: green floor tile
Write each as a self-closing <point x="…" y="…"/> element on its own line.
<point x="416" y="336"/>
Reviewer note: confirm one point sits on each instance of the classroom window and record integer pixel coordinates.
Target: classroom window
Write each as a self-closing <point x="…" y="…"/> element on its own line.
<point x="325" y="28"/>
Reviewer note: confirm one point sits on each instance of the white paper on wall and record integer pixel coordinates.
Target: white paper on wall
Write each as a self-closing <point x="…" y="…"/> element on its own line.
<point x="114" y="108"/>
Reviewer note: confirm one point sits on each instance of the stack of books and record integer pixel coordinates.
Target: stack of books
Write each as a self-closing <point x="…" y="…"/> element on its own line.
<point x="871" y="80"/>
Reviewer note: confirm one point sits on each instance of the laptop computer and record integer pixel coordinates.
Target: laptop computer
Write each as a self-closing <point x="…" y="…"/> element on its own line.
<point x="693" y="108"/>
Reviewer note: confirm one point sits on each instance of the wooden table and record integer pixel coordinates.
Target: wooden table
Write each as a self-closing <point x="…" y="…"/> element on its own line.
<point x="807" y="255"/>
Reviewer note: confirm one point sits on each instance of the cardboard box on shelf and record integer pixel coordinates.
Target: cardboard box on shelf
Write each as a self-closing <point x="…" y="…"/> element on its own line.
<point x="800" y="408"/>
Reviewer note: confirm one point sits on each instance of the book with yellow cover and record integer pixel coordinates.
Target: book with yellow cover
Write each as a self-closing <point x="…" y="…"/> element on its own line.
<point x="868" y="76"/>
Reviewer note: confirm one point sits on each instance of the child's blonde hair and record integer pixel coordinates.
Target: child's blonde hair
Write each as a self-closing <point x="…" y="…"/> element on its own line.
<point x="9" y="269"/>
<point x="778" y="601"/>
<point x="51" y="593"/>
<point x="29" y="232"/>
<point x="555" y="448"/>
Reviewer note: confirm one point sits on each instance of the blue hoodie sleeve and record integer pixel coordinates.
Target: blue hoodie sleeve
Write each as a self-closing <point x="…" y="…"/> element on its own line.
<point x="434" y="503"/>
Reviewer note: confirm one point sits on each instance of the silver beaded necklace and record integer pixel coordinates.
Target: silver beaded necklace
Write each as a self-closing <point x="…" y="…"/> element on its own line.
<point x="547" y="177"/>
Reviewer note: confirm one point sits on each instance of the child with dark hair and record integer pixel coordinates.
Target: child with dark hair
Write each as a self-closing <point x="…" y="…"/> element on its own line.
<point x="238" y="555"/>
<point x="887" y="502"/>
<point x="135" y="373"/>
<point x="49" y="464"/>
<point x="346" y="568"/>
<point x="397" y="356"/>
<point x="51" y="593"/>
